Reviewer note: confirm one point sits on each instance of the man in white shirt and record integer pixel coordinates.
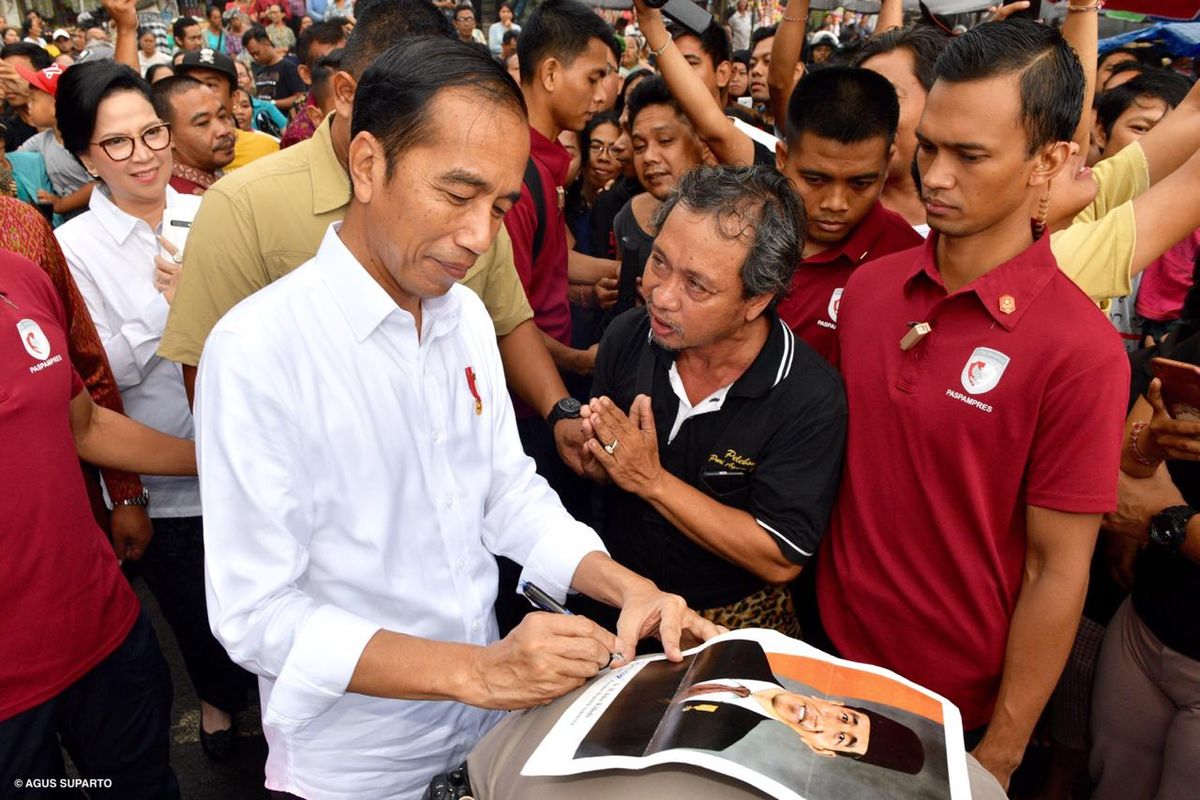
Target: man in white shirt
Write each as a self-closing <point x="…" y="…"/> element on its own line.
<point x="361" y="465"/>
<point x="739" y="26"/>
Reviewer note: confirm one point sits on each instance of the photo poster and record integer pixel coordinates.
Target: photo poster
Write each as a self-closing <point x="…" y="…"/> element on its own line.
<point x="771" y="711"/>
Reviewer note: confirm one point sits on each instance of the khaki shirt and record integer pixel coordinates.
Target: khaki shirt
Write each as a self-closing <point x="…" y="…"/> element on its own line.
<point x="263" y="221"/>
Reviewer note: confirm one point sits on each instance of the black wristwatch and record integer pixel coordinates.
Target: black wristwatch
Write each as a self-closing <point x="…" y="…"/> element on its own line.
<point x="1168" y="528"/>
<point x="567" y="408"/>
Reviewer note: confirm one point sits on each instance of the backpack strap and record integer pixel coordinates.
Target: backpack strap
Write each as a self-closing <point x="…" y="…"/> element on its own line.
<point x="533" y="181"/>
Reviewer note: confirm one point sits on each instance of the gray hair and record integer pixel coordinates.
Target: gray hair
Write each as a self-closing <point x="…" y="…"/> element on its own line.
<point x="755" y="204"/>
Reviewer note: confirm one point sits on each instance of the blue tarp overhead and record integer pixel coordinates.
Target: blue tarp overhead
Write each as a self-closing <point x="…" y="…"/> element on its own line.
<point x="1176" y="38"/>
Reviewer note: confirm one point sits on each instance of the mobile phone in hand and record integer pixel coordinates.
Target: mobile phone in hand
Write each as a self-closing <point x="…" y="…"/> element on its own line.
<point x="1180" y="387"/>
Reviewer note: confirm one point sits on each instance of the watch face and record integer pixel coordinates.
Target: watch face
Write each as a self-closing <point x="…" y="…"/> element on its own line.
<point x="569" y="405"/>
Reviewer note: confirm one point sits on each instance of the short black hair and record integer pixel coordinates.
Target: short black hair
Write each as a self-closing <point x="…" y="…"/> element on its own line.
<point x="395" y="92"/>
<point x="36" y="55"/>
<point x="1163" y="84"/>
<point x="925" y="42"/>
<point x="1051" y="77"/>
<point x="560" y="29"/>
<point x="845" y="104"/>
<point x="321" y="33"/>
<point x="82" y="89"/>
<point x="323" y="70"/>
<point x="651" y="92"/>
<point x="182" y="24"/>
<point x="379" y="24"/>
<point x="463" y="7"/>
<point x="714" y="41"/>
<point x="585" y="136"/>
<point x="163" y="94"/>
<point x="741" y="57"/>
<point x="1129" y="51"/>
<point x="628" y="85"/>
<point x="510" y="36"/>
<point x="153" y="69"/>
<point x="1124" y="66"/>
<point x="255" y="33"/>
<point x="760" y="34"/>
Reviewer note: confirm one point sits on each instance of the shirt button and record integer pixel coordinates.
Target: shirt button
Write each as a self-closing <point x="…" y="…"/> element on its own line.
<point x="460" y="564"/>
<point x="475" y="626"/>
<point x="437" y="437"/>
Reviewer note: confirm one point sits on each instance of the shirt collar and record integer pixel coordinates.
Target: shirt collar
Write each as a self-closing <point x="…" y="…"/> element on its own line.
<point x="330" y="183"/>
<point x="772" y="364"/>
<point x="363" y="302"/>
<point x="552" y="155"/>
<point x="1006" y="291"/>
<point x="116" y="222"/>
<point x="857" y="246"/>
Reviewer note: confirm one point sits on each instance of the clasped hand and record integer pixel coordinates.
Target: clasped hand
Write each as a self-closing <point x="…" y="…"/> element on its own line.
<point x="622" y="448"/>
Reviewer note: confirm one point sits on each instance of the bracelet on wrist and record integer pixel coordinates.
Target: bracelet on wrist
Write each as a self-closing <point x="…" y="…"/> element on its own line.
<point x="658" y="53"/>
<point x="138" y="501"/>
<point x="1136" y="451"/>
<point x="1084" y="9"/>
<point x="786" y="18"/>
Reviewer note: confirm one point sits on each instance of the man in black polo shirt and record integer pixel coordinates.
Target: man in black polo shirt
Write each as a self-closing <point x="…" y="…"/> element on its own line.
<point x="725" y="468"/>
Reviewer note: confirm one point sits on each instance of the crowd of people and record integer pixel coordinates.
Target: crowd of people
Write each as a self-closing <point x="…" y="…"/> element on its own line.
<point x="339" y="323"/>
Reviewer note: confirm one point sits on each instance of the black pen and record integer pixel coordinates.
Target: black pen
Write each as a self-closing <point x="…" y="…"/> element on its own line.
<point x="539" y="599"/>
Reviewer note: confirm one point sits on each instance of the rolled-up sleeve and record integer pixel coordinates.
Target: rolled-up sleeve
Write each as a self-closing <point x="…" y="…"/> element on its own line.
<point x="256" y="492"/>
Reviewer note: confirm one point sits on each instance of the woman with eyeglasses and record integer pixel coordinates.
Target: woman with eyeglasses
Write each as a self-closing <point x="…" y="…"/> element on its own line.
<point x="597" y="145"/>
<point x="120" y="253"/>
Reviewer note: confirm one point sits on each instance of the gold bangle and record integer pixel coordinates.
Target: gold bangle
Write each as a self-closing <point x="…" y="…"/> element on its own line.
<point x="658" y="53"/>
<point x="1096" y="6"/>
<point x="786" y="18"/>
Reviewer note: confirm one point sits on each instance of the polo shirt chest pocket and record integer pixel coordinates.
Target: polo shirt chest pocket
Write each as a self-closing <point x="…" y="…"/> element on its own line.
<point x="727" y="473"/>
<point x="729" y="486"/>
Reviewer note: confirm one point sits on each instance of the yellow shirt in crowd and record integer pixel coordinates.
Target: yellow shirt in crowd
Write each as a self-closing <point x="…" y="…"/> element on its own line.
<point x="1096" y="251"/>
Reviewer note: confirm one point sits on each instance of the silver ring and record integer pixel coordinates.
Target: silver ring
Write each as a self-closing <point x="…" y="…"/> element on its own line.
<point x="608" y="663"/>
<point x="177" y="256"/>
<point x="609" y="448"/>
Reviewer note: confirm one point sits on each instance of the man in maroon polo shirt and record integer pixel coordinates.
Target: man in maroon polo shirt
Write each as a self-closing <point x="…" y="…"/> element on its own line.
<point x="563" y="54"/>
<point x="986" y="398"/>
<point x="79" y="662"/>
<point x="840" y="131"/>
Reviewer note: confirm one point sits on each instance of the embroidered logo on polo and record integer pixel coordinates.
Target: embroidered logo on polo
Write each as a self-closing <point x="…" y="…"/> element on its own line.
<point x="835" y="302"/>
<point x="983" y="370"/>
<point x="36" y="343"/>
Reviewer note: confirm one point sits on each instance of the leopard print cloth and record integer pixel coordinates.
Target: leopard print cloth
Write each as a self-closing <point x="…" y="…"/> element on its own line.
<point x="771" y="607"/>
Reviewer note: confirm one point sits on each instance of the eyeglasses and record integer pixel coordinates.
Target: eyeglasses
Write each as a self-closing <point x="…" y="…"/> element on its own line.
<point x="120" y="148"/>
<point x="596" y="148"/>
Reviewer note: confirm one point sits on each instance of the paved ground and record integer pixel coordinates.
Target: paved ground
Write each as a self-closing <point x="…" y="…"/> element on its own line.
<point x="239" y="778"/>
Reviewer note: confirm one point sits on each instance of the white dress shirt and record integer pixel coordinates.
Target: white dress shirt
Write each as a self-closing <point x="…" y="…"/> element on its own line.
<point x="111" y="256"/>
<point x="349" y="485"/>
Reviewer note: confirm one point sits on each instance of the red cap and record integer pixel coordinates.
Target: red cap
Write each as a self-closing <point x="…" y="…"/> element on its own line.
<point x="45" y="80"/>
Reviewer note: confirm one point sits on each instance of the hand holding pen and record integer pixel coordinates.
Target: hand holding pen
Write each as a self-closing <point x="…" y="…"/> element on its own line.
<point x="539" y="599"/>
